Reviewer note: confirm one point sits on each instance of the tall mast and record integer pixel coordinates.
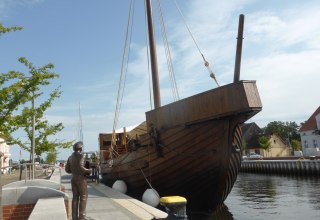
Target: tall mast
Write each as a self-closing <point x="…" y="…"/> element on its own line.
<point x="239" y="50"/>
<point x="153" y="56"/>
<point x="80" y="125"/>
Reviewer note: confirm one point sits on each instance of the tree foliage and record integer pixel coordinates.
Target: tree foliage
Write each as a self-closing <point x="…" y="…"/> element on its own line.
<point x="283" y="129"/>
<point x="39" y="78"/>
<point x="264" y="143"/>
<point x="4" y="29"/>
<point x="244" y="145"/>
<point x="296" y="145"/>
<point x="12" y="93"/>
<point x="52" y="156"/>
<point x="16" y="90"/>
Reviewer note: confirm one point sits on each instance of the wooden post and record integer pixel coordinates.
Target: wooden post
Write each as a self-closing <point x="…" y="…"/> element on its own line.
<point x="239" y="49"/>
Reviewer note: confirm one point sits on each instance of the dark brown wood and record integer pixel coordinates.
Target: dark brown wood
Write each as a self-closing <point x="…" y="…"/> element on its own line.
<point x="239" y="49"/>
<point x="240" y="97"/>
<point x="153" y="57"/>
<point x="200" y="142"/>
<point x="192" y="160"/>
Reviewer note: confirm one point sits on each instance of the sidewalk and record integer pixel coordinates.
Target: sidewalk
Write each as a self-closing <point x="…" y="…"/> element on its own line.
<point x="105" y="203"/>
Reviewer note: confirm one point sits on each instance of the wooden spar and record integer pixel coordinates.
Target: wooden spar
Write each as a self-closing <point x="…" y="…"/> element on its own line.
<point x="153" y="55"/>
<point x="123" y="140"/>
<point x="239" y="49"/>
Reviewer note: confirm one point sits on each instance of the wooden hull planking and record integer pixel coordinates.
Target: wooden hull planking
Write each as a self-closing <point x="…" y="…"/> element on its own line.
<point x="199" y="141"/>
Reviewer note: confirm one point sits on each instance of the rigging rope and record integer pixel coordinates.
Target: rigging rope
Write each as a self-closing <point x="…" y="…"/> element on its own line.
<point x="122" y="75"/>
<point x="155" y="192"/>
<point x="173" y="82"/>
<point x="206" y="63"/>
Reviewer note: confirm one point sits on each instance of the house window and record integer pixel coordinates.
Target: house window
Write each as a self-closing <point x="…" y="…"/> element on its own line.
<point x="315" y="144"/>
<point x="274" y="141"/>
<point x="305" y="143"/>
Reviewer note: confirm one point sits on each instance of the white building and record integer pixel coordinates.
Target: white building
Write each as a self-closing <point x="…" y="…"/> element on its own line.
<point x="310" y="135"/>
<point x="4" y="148"/>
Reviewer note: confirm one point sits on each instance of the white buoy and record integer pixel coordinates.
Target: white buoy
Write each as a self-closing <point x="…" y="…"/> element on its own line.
<point x="151" y="197"/>
<point x="120" y="186"/>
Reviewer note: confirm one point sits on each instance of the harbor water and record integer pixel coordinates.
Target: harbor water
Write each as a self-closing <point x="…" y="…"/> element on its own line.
<point x="265" y="197"/>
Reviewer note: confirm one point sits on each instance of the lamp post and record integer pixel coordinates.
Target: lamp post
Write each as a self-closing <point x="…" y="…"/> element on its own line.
<point x="32" y="150"/>
<point x="1" y="154"/>
<point x="33" y="133"/>
<point x="289" y="143"/>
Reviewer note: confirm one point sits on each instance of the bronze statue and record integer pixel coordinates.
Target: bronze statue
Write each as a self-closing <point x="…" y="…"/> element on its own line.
<point x="75" y="166"/>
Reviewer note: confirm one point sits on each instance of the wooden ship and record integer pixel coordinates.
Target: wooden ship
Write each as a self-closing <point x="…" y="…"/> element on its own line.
<point x="191" y="147"/>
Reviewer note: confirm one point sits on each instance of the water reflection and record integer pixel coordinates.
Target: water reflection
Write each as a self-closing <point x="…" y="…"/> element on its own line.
<point x="269" y="197"/>
<point x="266" y="196"/>
<point x="259" y="191"/>
<point x="222" y="213"/>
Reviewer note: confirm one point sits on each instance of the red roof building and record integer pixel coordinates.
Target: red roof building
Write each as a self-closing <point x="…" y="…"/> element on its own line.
<point x="310" y="135"/>
<point x="311" y="123"/>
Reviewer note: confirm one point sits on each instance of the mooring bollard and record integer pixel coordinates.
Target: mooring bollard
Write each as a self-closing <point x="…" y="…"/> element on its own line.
<point x="175" y="206"/>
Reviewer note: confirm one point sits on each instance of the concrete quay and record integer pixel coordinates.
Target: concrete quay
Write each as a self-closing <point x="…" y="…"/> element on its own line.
<point x="297" y="167"/>
<point x="106" y="203"/>
<point x="40" y="199"/>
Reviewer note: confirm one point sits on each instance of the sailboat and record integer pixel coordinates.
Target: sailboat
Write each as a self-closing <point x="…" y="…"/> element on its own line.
<point x="191" y="147"/>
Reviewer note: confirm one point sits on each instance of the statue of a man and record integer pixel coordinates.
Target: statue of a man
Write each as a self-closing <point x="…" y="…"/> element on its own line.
<point x="75" y="166"/>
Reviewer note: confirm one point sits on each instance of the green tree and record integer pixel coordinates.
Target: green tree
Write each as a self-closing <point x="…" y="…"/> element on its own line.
<point x="277" y="127"/>
<point x="265" y="143"/>
<point x="296" y="145"/>
<point x="286" y="130"/>
<point x="52" y="156"/>
<point x="4" y="29"/>
<point x="40" y="77"/>
<point x="16" y="89"/>
<point x="12" y="93"/>
<point x="244" y="145"/>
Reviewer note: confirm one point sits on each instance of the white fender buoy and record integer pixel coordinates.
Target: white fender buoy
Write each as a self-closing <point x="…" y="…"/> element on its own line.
<point x="120" y="186"/>
<point x="151" y="197"/>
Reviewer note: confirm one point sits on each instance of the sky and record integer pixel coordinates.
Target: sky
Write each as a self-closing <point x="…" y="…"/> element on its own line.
<point x="85" y="41"/>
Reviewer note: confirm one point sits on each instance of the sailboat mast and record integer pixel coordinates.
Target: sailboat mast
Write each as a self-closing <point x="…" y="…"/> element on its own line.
<point x="153" y="56"/>
<point x="80" y="125"/>
<point x="239" y="49"/>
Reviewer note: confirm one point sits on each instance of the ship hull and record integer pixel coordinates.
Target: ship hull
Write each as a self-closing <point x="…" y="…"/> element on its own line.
<point x="196" y="153"/>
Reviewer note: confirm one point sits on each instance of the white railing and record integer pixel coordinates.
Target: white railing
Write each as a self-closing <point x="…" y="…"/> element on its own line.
<point x="27" y="167"/>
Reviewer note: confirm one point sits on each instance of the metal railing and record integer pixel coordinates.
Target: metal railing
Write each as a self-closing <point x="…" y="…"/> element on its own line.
<point x="28" y="168"/>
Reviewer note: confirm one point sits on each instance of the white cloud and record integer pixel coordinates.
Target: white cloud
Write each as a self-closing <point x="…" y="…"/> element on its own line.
<point x="287" y="84"/>
<point x="4" y="7"/>
<point x="288" y="29"/>
<point x="7" y="5"/>
<point x="280" y="50"/>
<point x="264" y="25"/>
